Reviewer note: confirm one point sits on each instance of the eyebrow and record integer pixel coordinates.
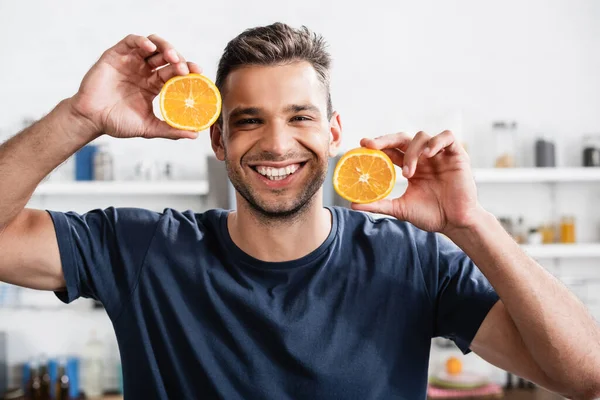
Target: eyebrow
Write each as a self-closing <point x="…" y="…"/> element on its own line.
<point x="239" y="111"/>
<point x="302" y="107"/>
<point x="254" y="111"/>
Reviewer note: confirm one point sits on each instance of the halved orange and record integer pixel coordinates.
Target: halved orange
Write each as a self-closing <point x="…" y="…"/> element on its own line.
<point x="364" y="175"/>
<point x="190" y="102"/>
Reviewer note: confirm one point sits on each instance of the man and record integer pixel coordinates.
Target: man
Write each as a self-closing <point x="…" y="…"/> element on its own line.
<point x="284" y="298"/>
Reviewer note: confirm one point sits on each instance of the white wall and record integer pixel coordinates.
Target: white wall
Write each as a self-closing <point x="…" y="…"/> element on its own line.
<point x="398" y="65"/>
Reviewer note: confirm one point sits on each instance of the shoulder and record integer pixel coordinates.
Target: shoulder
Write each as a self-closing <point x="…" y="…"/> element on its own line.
<point x="378" y="227"/>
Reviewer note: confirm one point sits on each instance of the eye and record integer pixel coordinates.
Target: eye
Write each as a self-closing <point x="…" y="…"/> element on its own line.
<point x="301" y="118"/>
<point x="248" y="121"/>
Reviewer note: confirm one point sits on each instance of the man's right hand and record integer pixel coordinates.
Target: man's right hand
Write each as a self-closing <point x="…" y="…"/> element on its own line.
<point x="117" y="92"/>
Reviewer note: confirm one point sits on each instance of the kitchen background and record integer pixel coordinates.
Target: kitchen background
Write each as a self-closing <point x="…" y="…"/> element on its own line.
<point x="508" y="77"/>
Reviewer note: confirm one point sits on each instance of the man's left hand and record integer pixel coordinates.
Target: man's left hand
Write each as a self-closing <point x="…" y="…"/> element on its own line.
<point x="441" y="195"/>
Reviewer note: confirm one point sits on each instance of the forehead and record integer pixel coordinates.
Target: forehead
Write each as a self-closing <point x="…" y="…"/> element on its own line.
<point x="273" y="87"/>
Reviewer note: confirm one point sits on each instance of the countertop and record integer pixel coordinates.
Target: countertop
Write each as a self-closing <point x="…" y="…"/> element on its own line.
<point x="537" y="394"/>
<point x="516" y="394"/>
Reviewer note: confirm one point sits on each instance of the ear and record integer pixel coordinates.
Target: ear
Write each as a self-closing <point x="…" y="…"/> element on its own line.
<point x="335" y="134"/>
<point x="216" y="141"/>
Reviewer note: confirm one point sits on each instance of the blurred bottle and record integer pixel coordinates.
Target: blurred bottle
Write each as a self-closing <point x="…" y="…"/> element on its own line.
<point x="34" y="384"/>
<point x="44" y="380"/>
<point x="544" y="153"/>
<point x="93" y="367"/>
<point x="520" y="233"/>
<point x="103" y="164"/>
<point x="61" y="388"/>
<point x="548" y="235"/>
<point x="505" y="144"/>
<point x="591" y="151"/>
<point x="567" y="229"/>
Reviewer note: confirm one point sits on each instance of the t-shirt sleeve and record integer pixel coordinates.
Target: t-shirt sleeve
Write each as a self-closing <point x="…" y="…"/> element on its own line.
<point x="461" y="295"/>
<point x="102" y="252"/>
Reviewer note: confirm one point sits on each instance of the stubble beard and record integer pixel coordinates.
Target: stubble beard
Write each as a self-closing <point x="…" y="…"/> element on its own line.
<point x="277" y="213"/>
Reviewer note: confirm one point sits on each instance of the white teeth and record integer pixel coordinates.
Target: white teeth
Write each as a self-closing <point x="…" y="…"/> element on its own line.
<point x="277" y="173"/>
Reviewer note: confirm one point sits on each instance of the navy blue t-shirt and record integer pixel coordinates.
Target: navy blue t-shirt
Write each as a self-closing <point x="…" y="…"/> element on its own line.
<point x="196" y="317"/>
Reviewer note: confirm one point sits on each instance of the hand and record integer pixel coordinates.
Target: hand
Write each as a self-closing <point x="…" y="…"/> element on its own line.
<point x="117" y="92"/>
<point x="441" y="193"/>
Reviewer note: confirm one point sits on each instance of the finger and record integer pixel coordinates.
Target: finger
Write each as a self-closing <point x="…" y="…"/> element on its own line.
<point x="161" y="76"/>
<point x="394" y="140"/>
<point x="395" y="207"/>
<point x="160" y="129"/>
<point x="194" y="68"/>
<point x="158" y="60"/>
<point x="414" y="151"/>
<point x="396" y="156"/>
<point x="135" y="42"/>
<point x="169" y="53"/>
<point x="439" y="143"/>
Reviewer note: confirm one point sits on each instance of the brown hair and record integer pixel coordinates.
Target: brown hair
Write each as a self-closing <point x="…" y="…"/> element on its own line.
<point x="276" y="44"/>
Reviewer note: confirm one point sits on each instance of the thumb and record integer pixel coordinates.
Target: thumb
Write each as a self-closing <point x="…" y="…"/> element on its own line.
<point x="384" y="206"/>
<point x="160" y="129"/>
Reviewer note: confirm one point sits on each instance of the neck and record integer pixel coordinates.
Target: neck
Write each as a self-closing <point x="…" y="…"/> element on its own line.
<point x="281" y="239"/>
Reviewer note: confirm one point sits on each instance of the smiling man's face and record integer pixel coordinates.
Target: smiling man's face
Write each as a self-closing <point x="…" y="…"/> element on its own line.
<point x="276" y="137"/>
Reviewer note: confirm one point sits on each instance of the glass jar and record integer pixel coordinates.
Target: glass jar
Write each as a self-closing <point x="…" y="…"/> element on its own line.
<point x="591" y="151"/>
<point x="505" y="144"/>
<point x="567" y="229"/>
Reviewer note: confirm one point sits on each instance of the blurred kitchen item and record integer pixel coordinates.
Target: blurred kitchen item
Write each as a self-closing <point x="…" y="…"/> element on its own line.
<point x="14" y="394"/>
<point x="534" y="237"/>
<point x="464" y="380"/>
<point x="166" y="171"/>
<point x="591" y="151"/>
<point x="567" y="229"/>
<point x="489" y="391"/>
<point x="520" y="233"/>
<point x="73" y="373"/>
<point x="93" y="367"/>
<point x="3" y="363"/>
<point x="45" y="385"/>
<point x="103" y="164"/>
<point x="509" y="381"/>
<point x="505" y="143"/>
<point x="544" y="153"/>
<point x="61" y="387"/>
<point x="84" y="163"/>
<point x="146" y="170"/>
<point x="443" y="343"/>
<point x="548" y="233"/>
<point x="33" y="389"/>
<point x="507" y="224"/>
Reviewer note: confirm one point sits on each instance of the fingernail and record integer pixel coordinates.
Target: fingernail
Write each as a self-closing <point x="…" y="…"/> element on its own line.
<point x="174" y="55"/>
<point x="426" y="151"/>
<point x="405" y="170"/>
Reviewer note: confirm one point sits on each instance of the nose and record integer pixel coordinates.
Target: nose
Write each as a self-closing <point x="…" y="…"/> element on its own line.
<point x="276" y="139"/>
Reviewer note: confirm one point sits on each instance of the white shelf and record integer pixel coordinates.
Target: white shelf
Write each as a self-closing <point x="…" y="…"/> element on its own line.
<point x="532" y="175"/>
<point x="123" y="188"/>
<point x="575" y="250"/>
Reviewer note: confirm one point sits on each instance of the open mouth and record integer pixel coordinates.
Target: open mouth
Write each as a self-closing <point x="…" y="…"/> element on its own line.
<point x="278" y="174"/>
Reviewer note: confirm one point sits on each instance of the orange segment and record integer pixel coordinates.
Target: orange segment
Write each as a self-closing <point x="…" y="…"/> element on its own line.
<point x="364" y="175"/>
<point x="191" y="102"/>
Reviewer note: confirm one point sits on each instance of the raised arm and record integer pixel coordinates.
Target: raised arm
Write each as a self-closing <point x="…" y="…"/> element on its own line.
<point x="115" y="98"/>
<point x="538" y="329"/>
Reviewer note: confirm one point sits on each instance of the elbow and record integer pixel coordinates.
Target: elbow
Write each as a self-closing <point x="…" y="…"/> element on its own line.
<point x="588" y="392"/>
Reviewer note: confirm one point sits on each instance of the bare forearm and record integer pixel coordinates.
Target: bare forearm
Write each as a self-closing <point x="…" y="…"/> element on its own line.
<point x="555" y="326"/>
<point x="29" y="156"/>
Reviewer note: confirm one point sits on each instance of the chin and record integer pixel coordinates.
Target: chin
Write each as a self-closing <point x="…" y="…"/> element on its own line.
<point x="278" y="209"/>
